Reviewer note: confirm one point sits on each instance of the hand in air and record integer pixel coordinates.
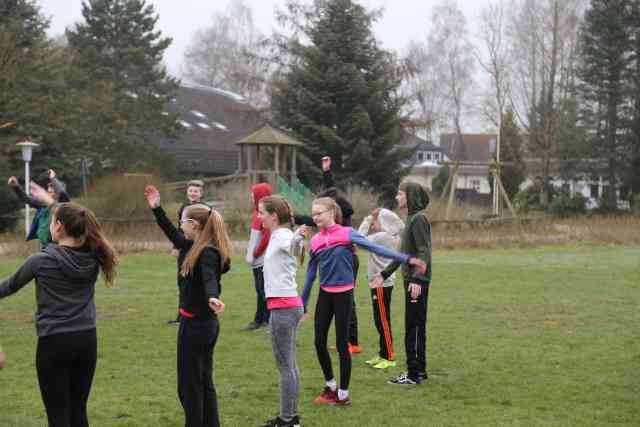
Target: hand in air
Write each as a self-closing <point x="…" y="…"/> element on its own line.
<point x="152" y="195"/>
<point x="326" y="163"/>
<point x="51" y="173"/>
<point x="13" y="181"/>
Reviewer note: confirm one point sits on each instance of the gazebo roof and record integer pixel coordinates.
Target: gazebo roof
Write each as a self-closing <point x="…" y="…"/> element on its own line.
<point x="267" y="135"/>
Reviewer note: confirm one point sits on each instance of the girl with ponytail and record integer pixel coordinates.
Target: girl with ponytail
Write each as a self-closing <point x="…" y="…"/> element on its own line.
<point x="204" y="251"/>
<point x="283" y="301"/>
<point x="65" y="272"/>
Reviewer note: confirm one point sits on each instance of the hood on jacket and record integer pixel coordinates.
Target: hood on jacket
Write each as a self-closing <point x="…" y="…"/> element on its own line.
<point x="259" y="191"/>
<point x="76" y="265"/>
<point x="417" y="197"/>
<point x="390" y="222"/>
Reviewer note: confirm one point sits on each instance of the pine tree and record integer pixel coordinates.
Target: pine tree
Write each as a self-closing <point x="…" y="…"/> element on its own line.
<point x="632" y="180"/>
<point x="340" y="97"/>
<point x="605" y="45"/>
<point x="119" y="57"/>
<point x="513" y="174"/>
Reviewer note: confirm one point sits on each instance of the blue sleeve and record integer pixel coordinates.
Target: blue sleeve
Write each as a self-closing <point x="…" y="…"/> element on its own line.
<point x="312" y="270"/>
<point x="361" y="241"/>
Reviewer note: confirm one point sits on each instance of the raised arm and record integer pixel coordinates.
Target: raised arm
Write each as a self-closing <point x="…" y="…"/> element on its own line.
<point x="173" y="234"/>
<point x="20" y="278"/>
<point x="58" y="187"/>
<point x="24" y="198"/>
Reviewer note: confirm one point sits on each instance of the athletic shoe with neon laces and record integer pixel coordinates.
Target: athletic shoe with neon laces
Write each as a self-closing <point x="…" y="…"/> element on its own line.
<point x="327" y="396"/>
<point x="279" y="422"/>
<point x="354" y="348"/>
<point x="405" y="379"/>
<point x="385" y="364"/>
<point x="374" y="361"/>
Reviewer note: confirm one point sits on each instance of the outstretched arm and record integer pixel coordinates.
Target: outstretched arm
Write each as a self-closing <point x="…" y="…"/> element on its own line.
<point x="20" y="278"/>
<point x="24" y="198"/>
<point x="173" y="234"/>
<point x="359" y="240"/>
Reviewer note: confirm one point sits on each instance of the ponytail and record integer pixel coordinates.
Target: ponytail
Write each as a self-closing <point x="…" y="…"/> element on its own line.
<point x="80" y="223"/>
<point x="213" y="232"/>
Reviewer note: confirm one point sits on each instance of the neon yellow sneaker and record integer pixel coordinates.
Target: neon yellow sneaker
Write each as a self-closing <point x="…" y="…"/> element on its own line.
<point x="374" y="361"/>
<point x="385" y="364"/>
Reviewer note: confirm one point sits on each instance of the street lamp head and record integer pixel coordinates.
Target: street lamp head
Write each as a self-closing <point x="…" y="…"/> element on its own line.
<point x="27" y="148"/>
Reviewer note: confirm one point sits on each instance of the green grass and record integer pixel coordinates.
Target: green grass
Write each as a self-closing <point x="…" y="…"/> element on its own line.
<point x="535" y="337"/>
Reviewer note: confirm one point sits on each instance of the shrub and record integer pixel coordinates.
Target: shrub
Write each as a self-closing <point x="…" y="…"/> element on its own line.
<point x="564" y="205"/>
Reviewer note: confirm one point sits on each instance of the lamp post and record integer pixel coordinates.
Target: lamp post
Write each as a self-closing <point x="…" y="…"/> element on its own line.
<point x="27" y="149"/>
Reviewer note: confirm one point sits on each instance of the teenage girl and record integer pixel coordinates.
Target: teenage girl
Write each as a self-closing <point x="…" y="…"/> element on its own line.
<point x="332" y="254"/>
<point x="280" y="266"/>
<point x="65" y="273"/>
<point x="204" y="256"/>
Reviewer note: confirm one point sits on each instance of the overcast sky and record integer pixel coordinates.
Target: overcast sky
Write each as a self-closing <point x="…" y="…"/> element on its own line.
<point x="403" y="20"/>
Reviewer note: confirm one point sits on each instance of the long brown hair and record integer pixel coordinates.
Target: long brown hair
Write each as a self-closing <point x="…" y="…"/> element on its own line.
<point x="281" y="207"/>
<point x="330" y="204"/>
<point x="80" y="223"/>
<point x="213" y="232"/>
<point x="284" y="211"/>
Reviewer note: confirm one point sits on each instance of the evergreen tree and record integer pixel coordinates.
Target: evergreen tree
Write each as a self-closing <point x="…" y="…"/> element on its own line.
<point x="513" y="174"/>
<point x="118" y="54"/>
<point x="632" y="180"/>
<point x="605" y="45"/>
<point x="340" y="97"/>
<point x="23" y="18"/>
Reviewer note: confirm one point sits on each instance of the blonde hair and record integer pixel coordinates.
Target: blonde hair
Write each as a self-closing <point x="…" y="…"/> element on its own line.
<point x="281" y="207"/>
<point x="213" y="232"/>
<point x="330" y="204"/>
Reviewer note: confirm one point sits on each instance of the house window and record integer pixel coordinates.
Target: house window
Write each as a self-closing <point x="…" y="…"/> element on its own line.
<point x="475" y="184"/>
<point x="436" y="156"/>
<point x="593" y="191"/>
<point x="420" y="156"/>
<point x="428" y="156"/>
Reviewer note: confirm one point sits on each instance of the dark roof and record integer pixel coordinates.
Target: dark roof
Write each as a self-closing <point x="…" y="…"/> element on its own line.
<point x="413" y="141"/>
<point x="213" y="120"/>
<point x="475" y="147"/>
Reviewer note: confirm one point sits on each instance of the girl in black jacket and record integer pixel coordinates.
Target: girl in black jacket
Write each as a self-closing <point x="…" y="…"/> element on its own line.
<point x="205" y="248"/>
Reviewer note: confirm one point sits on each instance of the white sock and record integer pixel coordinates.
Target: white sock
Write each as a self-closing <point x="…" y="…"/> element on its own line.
<point x="343" y="394"/>
<point x="332" y="384"/>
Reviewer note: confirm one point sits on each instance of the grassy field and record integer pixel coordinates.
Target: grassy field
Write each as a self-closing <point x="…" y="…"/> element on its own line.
<point x="524" y="337"/>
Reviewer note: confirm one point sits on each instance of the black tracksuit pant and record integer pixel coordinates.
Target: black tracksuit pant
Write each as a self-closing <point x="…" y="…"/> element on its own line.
<point x="353" y="323"/>
<point x="196" y="341"/>
<point x="331" y="304"/>
<point x="415" y="336"/>
<point x="66" y="363"/>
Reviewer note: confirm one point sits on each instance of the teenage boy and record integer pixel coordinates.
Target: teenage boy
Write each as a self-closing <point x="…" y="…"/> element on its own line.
<point x="416" y="242"/>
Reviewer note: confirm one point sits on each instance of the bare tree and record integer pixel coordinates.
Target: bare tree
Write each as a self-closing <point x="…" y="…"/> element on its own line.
<point x="545" y="34"/>
<point x="227" y="54"/>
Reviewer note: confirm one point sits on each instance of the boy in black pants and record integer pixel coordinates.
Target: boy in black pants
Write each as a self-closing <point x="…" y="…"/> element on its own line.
<point x="416" y="241"/>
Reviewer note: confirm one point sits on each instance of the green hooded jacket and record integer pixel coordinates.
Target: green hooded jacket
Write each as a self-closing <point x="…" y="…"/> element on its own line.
<point x="416" y="238"/>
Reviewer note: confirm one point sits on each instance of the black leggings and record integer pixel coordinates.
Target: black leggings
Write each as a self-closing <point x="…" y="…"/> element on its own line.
<point x="330" y="305"/>
<point x="353" y="323"/>
<point x="66" y="363"/>
<point x="196" y="341"/>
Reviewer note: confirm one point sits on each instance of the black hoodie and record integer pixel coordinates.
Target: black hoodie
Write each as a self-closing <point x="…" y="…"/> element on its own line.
<point x="65" y="288"/>
<point x="416" y="238"/>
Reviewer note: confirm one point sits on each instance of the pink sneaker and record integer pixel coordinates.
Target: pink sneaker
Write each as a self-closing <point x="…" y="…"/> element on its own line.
<point x="327" y="397"/>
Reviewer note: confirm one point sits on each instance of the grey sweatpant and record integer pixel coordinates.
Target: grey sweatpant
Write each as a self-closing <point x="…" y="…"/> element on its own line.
<point x="283" y="326"/>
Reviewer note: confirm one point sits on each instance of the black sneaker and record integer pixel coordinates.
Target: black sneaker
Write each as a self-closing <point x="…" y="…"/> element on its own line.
<point x="279" y="422"/>
<point x="423" y="376"/>
<point x="405" y="379"/>
<point x="252" y="326"/>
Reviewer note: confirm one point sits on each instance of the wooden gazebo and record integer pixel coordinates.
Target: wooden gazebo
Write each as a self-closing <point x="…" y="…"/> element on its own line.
<point x="284" y="151"/>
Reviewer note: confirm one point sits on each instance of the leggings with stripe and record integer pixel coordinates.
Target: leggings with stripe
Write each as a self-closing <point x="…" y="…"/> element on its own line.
<point x="329" y="305"/>
<point x="381" y="301"/>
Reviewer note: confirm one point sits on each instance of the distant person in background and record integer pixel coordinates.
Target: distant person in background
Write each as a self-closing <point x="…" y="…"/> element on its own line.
<point x="3" y="358"/>
<point x="41" y="200"/>
<point x="258" y="241"/>
<point x="195" y="190"/>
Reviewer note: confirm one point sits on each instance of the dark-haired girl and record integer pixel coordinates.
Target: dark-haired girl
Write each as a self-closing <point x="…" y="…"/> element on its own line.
<point x="65" y="273"/>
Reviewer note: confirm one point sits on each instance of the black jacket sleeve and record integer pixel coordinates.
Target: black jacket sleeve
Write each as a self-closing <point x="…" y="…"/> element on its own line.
<point x="303" y="220"/>
<point x="327" y="179"/>
<point x="421" y="235"/>
<point x="31" y="201"/>
<point x="60" y="190"/>
<point x="172" y="233"/>
<point x="210" y="265"/>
